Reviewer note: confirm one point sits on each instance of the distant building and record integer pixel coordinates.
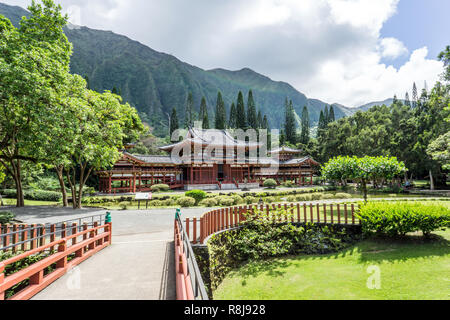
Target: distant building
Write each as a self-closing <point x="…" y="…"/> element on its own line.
<point x="207" y="160"/>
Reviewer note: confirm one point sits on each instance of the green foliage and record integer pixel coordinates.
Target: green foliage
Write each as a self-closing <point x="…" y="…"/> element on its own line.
<point x="226" y="201"/>
<point x="198" y="195"/>
<point x="262" y="237"/>
<point x="186" y="202"/>
<point x="160" y="188"/>
<point x="270" y="183"/>
<point x="6" y="217"/>
<point x="209" y="202"/>
<point x="400" y="218"/>
<point x="37" y="195"/>
<point x="343" y="196"/>
<point x="251" y="200"/>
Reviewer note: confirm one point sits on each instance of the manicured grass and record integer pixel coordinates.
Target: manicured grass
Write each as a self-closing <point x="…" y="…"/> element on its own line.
<point x="410" y="269"/>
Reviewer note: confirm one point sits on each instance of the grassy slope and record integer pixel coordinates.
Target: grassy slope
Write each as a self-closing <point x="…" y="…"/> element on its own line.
<point x="410" y="269"/>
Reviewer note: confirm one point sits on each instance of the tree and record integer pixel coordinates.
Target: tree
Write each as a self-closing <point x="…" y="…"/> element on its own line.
<point x="407" y="100"/>
<point x="290" y="123"/>
<point x="444" y="56"/>
<point x="104" y="126"/>
<point x="221" y="114"/>
<point x="363" y="170"/>
<point x="233" y="116"/>
<point x="241" y="119"/>
<point x="251" y="111"/>
<point x="203" y="114"/>
<point x="189" y="117"/>
<point x="332" y="116"/>
<point x="282" y="138"/>
<point x="259" y="120"/>
<point x="326" y="115"/>
<point x="415" y="96"/>
<point x="439" y="150"/>
<point x="174" y="124"/>
<point x="34" y="73"/>
<point x="305" y="134"/>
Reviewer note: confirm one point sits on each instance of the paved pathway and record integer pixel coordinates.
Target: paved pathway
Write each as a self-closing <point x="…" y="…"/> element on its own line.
<point x="137" y="266"/>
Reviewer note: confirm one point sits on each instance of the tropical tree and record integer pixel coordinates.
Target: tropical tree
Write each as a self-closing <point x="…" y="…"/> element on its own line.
<point x="305" y="134"/>
<point x="189" y="116"/>
<point x="221" y="113"/>
<point x="363" y="170"/>
<point x="34" y="73"/>
<point x="290" y="126"/>
<point x="252" y="119"/>
<point x="174" y="123"/>
<point x="232" y="121"/>
<point x="241" y="118"/>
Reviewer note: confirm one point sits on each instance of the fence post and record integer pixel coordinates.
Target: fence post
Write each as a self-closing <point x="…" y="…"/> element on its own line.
<point x="24" y="237"/>
<point x="325" y="213"/>
<point x="33" y="236"/>
<point x="194" y="230"/>
<point x="346" y="213"/>
<point x="339" y="213"/>
<point x="74" y="232"/>
<point x="188" y="222"/>
<point x="63" y="262"/>
<point x="312" y="212"/>
<point x="353" y="213"/>
<point x="2" y="279"/>
<point x="42" y="239"/>
<point x="332" y="214"/>
<point x="15" y="237"/>
<point x="6" y="236"/>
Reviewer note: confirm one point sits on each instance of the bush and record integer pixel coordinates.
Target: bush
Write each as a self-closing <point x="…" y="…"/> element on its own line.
<point x="209" y="202"/>
<point x="289" y="184"/>
<point x="160" y="188"/>
<point x="169" y="202"/>
<point x="270" y="200"/>
<point x="400" y="218"/>
<point x="157" y="203"/>
<point x="6" y="217"/>
<point x="237" y="199"/>
<point x="270" y="183"/>
<point x="186" y="202"/>
<point x="36" y="195"/>
<point x="291" y="199"/>
<point x="304" y="197"/>
<point x="226" y="201"/>
<point x="343" y="196"/>
<point x="251" y="200"/>
<point x="124" y="205"/>
<point x="198" y="195"/>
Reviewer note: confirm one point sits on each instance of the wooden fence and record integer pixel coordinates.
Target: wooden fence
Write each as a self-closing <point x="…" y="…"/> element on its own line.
<point x="63" y="246"/>
<point x="198" y="230"/>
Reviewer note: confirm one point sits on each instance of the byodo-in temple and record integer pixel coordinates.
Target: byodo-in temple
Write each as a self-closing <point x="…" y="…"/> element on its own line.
<point x="207" y="160"/>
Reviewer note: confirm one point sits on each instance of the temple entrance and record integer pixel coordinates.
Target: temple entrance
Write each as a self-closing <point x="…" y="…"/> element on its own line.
<point x="220" y="172"/>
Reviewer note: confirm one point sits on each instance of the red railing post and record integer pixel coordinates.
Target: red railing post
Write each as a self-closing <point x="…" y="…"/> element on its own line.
<point x="188" y="222"/>
<point x="332" y="213"/>
<point x="15" y="237"/>
<point x="42" y="236"/>
<point x="298" y="213"/>
<point x="74" y="231"/>
<point x="325" y="213"/>
<point x="2" y="278"/>
<point x="62" y="263"/>
<point x="6" y="236"/>
<point x="312" y="212"/>
<point x="194" y="230"/>
<point x="305" y="212"/>
<point x="346" y="213"/>
<point x="24" y="237"/>
<point x="339" y="213"/>
<point x="353" y="214"/>
<point x="318" y="213"/>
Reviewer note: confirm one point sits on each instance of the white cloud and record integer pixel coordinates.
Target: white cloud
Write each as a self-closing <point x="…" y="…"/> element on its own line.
<point x="327" y="49"/>
<point x="392" y="48"/>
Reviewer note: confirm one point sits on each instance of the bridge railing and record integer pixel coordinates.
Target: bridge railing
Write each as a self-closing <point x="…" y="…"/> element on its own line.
<point x="189" y="282"/>
<point x="68" y="247"/>
<point x="198" y="230"/>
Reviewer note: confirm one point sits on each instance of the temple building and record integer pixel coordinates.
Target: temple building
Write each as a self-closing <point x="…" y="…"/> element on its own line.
<point x="208" y="160"/>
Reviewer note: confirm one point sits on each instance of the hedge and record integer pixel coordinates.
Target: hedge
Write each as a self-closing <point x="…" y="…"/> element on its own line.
<point x="198" y="195"/>
<point x="186" y="202"/>
<point x="160" y="188"/>
<point x="402" y="217"/>
<point x="36" y="195"/>
<point x="6" y="217"/>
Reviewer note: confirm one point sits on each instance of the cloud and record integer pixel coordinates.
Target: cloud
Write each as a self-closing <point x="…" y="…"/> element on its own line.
<point x="327" y="49"/>
<point x="392" y="48"/>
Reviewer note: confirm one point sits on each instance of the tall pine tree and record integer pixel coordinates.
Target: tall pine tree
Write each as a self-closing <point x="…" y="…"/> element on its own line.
<point x="407" y="100"/>
<point x="326" y="115"/>
<point x="305" y="136"/>
<point x="188" y="117"/>
<point x="290" y="123"/>
<point x="241" y="119"/>
<point x="221" y="113"/>
<point x="332" y="116"/>
<point x="174" y="125"/>
<point x="232" y="121"/>
<point x="415" y="96"/>
<point x="259" y="120"/>
<point x="203" y="109"/>
<point x="251" y="111"/>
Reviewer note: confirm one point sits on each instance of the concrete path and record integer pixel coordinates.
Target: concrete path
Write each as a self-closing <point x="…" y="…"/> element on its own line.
<point x="139" y="265"/>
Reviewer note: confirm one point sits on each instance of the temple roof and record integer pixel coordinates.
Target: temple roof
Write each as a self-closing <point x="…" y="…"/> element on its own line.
<point x="286" y="150"/>
<point x="211" y="138"/>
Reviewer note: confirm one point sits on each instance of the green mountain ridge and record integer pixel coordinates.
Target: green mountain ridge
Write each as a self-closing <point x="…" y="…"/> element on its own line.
<point x="155" y="82"/>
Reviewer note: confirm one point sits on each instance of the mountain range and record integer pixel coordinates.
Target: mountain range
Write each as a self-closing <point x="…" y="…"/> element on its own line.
<point x="155" y="82"/>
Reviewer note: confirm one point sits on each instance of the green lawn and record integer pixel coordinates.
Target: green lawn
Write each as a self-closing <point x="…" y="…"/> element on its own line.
<point x="410" y="269"/>
<point x="12" y="202"/>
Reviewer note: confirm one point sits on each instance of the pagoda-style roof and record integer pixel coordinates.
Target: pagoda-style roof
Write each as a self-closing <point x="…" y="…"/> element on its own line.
<point x="212" y="138"/>
<point x="286" y="150"/>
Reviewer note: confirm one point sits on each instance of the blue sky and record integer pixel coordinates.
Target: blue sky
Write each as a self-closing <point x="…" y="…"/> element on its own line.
<point x="420" y="23"/>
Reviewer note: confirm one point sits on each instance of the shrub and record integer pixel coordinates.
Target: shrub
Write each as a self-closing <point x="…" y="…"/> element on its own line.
<point x="36" y="195"/>
<point x="226" y="201"/>
<point x="186" y="202"/>
<point x="400" y="218"/>
<point x="156" y="203"/>
<point x="160" y="188"/>
<point x="270" y="183"/>
<point x="209" y="202"/>
<point x="288" y="184"/>
<point x="237" y="199"/>
<point x="251" y="200"/>
<point x="124" y="205"/>
<point x="198" y="195"/>
<point x="304" y="197"/>
<point x="343" y="196"/>
<point x="169" y="202"/>
<point x="291" y="199"/>
<point x="316" y="196"/>
<point x="6" y="217"/>
<point x="270" y="200"/>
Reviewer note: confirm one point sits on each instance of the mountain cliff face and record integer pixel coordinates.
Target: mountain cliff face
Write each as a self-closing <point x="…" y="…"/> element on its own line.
<point x="155" y="82"/>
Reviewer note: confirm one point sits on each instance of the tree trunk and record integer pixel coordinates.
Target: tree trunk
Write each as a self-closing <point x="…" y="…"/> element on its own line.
<point x="59" y="171"/>
<point x="364" y="189"/>
<point x="431" y="181"/>
<point x="17" y="175"/>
